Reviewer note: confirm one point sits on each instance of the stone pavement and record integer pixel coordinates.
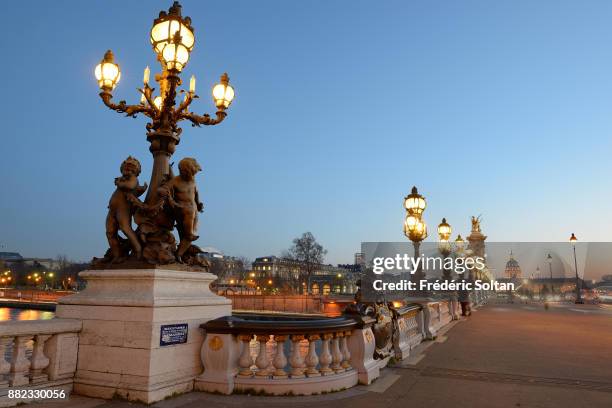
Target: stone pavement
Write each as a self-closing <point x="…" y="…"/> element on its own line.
<point x="503" y="356"/>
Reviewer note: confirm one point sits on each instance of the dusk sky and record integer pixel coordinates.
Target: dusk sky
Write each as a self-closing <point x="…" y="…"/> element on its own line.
<point x="496" y="108"/>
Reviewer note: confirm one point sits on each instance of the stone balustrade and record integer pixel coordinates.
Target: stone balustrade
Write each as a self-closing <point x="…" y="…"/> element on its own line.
<point x="37" y="355"/>
<point x="287" y="355"/>
<point x="408" y="329"/>
<point x="446" y="312"/>
<point x="436" y="314"/>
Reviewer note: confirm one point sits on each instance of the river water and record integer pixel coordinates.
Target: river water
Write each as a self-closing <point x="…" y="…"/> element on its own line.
<point x="7" y="313"/>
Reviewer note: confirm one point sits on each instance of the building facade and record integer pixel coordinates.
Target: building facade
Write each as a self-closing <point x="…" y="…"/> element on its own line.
<point x="282" y="274"/>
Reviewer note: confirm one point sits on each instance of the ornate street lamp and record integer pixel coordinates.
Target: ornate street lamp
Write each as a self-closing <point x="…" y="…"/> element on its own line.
<point x="573" y="240"/>
<point x="444" y="246"/>
<point x="459" y="243"/>
<point x="414" y="227"/>
<point x="549" y="260"/>
<point x="444" y="230"/>
<point x="172" y="39"/>
<point x="415" y="203"/>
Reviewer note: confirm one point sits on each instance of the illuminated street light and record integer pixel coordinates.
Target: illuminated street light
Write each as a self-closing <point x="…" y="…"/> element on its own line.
<point x="172" y="39"/>
<point x="415" y="203"/>
<point x="444" y="233"/>
<point x="549" y="260"/>
<point x="414" y="227"/>
<point x="459" y="243"/>
<point x="444" y="230"/>
<point x="107" y="72"/>
<point x="573" y="240"/>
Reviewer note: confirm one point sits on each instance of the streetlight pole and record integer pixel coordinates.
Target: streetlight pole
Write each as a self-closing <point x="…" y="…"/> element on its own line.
<point x="444" y="232"/>
<point x="549" y="261"/>
<point x="414" y="228"/>
<point x="579" y="300"/>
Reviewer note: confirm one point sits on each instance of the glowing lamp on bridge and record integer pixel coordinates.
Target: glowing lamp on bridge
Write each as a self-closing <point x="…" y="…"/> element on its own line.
<point x="107" y="72"/>
<point x="223" y="93"/>
<point x="415" y="229"/>
<point x="444" y="230"/>
<point x="172" y="38"/>
<point x="573" y="239"/>
<point x="415" y="203"/>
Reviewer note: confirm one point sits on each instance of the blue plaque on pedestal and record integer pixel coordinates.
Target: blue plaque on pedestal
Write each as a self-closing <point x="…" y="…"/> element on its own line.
<point x="173" y="334"/>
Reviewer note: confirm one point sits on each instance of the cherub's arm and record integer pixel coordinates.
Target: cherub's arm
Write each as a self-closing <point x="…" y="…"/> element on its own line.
<point x="199" y="204"/>
<point x="134" y="200"/>
<point x="139" y="190"/>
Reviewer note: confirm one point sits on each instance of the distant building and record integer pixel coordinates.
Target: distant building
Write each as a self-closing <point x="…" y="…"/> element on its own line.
<point x="325" y="279"/>
<point x="12" y="258"/>
<point x="513" y="269"/>
<point x="359" y="258"/>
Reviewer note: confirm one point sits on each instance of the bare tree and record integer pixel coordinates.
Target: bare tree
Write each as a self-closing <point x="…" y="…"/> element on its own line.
<point x="308" y="253"/>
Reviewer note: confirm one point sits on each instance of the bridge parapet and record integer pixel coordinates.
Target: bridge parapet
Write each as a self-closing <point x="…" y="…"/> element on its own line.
<point x="280" y="355"/>
<point x="37" y="359"/>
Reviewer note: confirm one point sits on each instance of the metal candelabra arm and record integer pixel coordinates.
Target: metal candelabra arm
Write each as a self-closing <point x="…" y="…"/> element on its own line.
<point x="129" y="110"/>
<point x="199" y="120"/>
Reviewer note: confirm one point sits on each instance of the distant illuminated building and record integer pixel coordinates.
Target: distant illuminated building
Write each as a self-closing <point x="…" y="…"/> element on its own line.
<point x="513" y="269"/>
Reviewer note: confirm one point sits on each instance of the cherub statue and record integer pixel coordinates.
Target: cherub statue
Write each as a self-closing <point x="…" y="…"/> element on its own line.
<point x="181" y="194"/>
<point x="121" y="207"/>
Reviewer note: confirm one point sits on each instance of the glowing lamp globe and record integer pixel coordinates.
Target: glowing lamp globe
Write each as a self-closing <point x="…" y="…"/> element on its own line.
<point x="414" y="203"/>
<point x="172" y="38"/>
<point x="459" y="242"/>
<point x="573" y="239"/>
<point x="415" y="228"/>
<point x="223" y="93"/>
<point x="107" y="72"/>
<point x="444" y="230"/>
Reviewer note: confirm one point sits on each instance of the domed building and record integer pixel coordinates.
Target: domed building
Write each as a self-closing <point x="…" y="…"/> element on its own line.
<point x="513" y="269"/>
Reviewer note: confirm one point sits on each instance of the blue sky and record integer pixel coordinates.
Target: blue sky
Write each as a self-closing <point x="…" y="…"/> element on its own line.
<point x="496" y="108"/>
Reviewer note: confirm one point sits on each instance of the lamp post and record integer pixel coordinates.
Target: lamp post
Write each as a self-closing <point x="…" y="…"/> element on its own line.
<point x="172" y="39"/>
<point x="444" y="233"/>
<point x="573" y="241"/>
<point x="414" y="227"/>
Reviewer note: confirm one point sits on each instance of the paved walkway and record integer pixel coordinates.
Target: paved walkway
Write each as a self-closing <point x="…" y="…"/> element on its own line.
<point x="503" y="356"/>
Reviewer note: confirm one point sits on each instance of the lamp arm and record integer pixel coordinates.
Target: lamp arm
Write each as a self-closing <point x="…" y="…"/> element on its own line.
<point x="199" y="120"/>
<point x="185" y="104"/>
<point x="147" y="91"/>
<point x="123" y="107"/>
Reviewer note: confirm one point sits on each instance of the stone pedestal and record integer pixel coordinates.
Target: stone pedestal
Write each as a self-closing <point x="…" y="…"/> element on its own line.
<point x="123" y="314"/>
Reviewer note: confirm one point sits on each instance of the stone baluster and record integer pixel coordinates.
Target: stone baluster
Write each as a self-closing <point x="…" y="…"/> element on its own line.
<point x="325" y="358"/>
<point x="346" y="354"/>
<point x="296" y="360"/>
<point x="262" y="362"/>
<point x="39" y="360"/>
<point x="280" y="361"/>
<point x="245" y="361"/>
<point x="311" y="358"/>
<point x="20" y="365"/>
<point x="5" y="366"/>
<point x="336" y="354"/>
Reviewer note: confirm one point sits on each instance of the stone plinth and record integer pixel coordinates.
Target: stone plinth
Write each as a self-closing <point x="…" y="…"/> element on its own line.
<point x="123" y="311"/>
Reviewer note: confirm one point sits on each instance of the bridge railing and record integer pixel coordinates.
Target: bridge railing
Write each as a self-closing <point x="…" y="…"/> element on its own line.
<point x="37" y="355"/>
<point x="287" y="355"/>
